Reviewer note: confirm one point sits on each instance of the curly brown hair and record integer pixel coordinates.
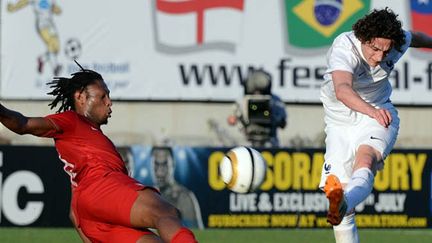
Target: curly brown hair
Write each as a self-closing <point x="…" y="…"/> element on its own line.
<point x="382" y="23"/>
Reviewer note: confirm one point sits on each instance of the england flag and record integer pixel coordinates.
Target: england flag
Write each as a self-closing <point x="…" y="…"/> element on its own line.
<point x="198" y="23"/>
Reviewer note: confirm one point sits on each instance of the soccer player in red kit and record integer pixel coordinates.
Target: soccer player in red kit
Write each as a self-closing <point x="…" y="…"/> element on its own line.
<point x="107" y="205"/>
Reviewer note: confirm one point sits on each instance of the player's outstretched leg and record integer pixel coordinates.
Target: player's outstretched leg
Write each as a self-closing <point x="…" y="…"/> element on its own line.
<point x="335" y="194"/>
<point x="150" y="210"/>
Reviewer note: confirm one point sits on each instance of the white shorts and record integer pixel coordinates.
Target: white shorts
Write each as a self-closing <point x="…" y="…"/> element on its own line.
<point x="343" y="140"/>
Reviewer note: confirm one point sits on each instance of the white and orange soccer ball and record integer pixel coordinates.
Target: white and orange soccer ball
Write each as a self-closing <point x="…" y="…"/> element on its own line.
<point x="243" y="169"/>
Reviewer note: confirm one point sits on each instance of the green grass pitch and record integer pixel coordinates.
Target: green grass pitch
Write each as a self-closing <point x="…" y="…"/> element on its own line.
<point x="68" y="235"/>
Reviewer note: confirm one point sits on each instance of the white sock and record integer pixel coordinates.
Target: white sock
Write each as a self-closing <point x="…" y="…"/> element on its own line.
<point x="359" y="187"/>
<point x="346" y="231"/>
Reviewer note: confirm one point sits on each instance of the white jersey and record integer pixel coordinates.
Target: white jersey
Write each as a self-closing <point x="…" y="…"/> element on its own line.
<point x="43" y="12"/>
<point x="371" y="83"/>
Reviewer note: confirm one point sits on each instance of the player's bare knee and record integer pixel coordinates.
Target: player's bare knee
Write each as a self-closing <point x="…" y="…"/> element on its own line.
<point x="367" y="150"/>
<point x="160" y="210"/>
<point x="170" y="211"/>
<point x="366" y="156"/>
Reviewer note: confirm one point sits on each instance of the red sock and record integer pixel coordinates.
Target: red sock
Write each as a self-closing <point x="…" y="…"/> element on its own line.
<point x="184" y="235"/>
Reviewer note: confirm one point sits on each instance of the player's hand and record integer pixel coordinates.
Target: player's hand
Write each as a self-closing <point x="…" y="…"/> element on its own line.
<point x="56" y="10"/>
<point x="383" y="117"/>
<point x="232" y="120"/>
<point x="10" y="7"/>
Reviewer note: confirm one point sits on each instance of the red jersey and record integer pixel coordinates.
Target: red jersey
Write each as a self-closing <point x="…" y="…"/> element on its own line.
<point x="87" y="153"/>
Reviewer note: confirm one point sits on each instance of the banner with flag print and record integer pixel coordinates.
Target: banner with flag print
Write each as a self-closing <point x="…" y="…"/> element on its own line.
<point x="197" y="23"/>
<point x="421" y="17"/>
<point x="315" y="23"/>
<point x="194" y="50"/>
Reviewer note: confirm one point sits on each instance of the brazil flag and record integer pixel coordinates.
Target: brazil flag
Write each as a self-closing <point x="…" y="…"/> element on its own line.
<point x="315" y="23"/>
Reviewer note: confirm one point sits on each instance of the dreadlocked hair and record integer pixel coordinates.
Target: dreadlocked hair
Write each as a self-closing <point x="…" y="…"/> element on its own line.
<point x="382" y="23"/>
<point x="64" y="88"/>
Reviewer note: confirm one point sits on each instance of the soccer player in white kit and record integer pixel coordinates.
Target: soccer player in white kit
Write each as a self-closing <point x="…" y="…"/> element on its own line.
<point x="361" y="122"/>
<point x="44" y="10"/>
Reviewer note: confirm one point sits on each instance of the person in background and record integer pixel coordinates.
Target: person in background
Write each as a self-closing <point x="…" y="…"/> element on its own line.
<point x="361" y="122"/>
<point x="46" y="29"/>
<point x="270" y="111"/>
<point x="163" y="167"/>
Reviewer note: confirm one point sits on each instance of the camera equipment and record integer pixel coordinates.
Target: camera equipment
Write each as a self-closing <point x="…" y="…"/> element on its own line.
<point x="257" y="110"/>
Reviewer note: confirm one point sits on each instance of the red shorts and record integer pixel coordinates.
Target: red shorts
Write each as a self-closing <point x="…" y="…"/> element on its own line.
<point x="102" y="208"/>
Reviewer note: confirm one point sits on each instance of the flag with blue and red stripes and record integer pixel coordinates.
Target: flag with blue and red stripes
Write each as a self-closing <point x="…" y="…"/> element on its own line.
<point x="421" y="16"/>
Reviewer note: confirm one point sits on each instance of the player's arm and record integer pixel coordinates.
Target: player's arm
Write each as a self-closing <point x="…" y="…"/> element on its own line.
<point x="343" y="85"/>
<point x="20" y="124"/>
<point x="56" y="9"/>
<point x="420" y="39"/>
<point x="18" y="5"/>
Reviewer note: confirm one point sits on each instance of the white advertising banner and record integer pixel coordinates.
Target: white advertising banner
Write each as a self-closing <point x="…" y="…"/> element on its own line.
<point x="193" y="50"/>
